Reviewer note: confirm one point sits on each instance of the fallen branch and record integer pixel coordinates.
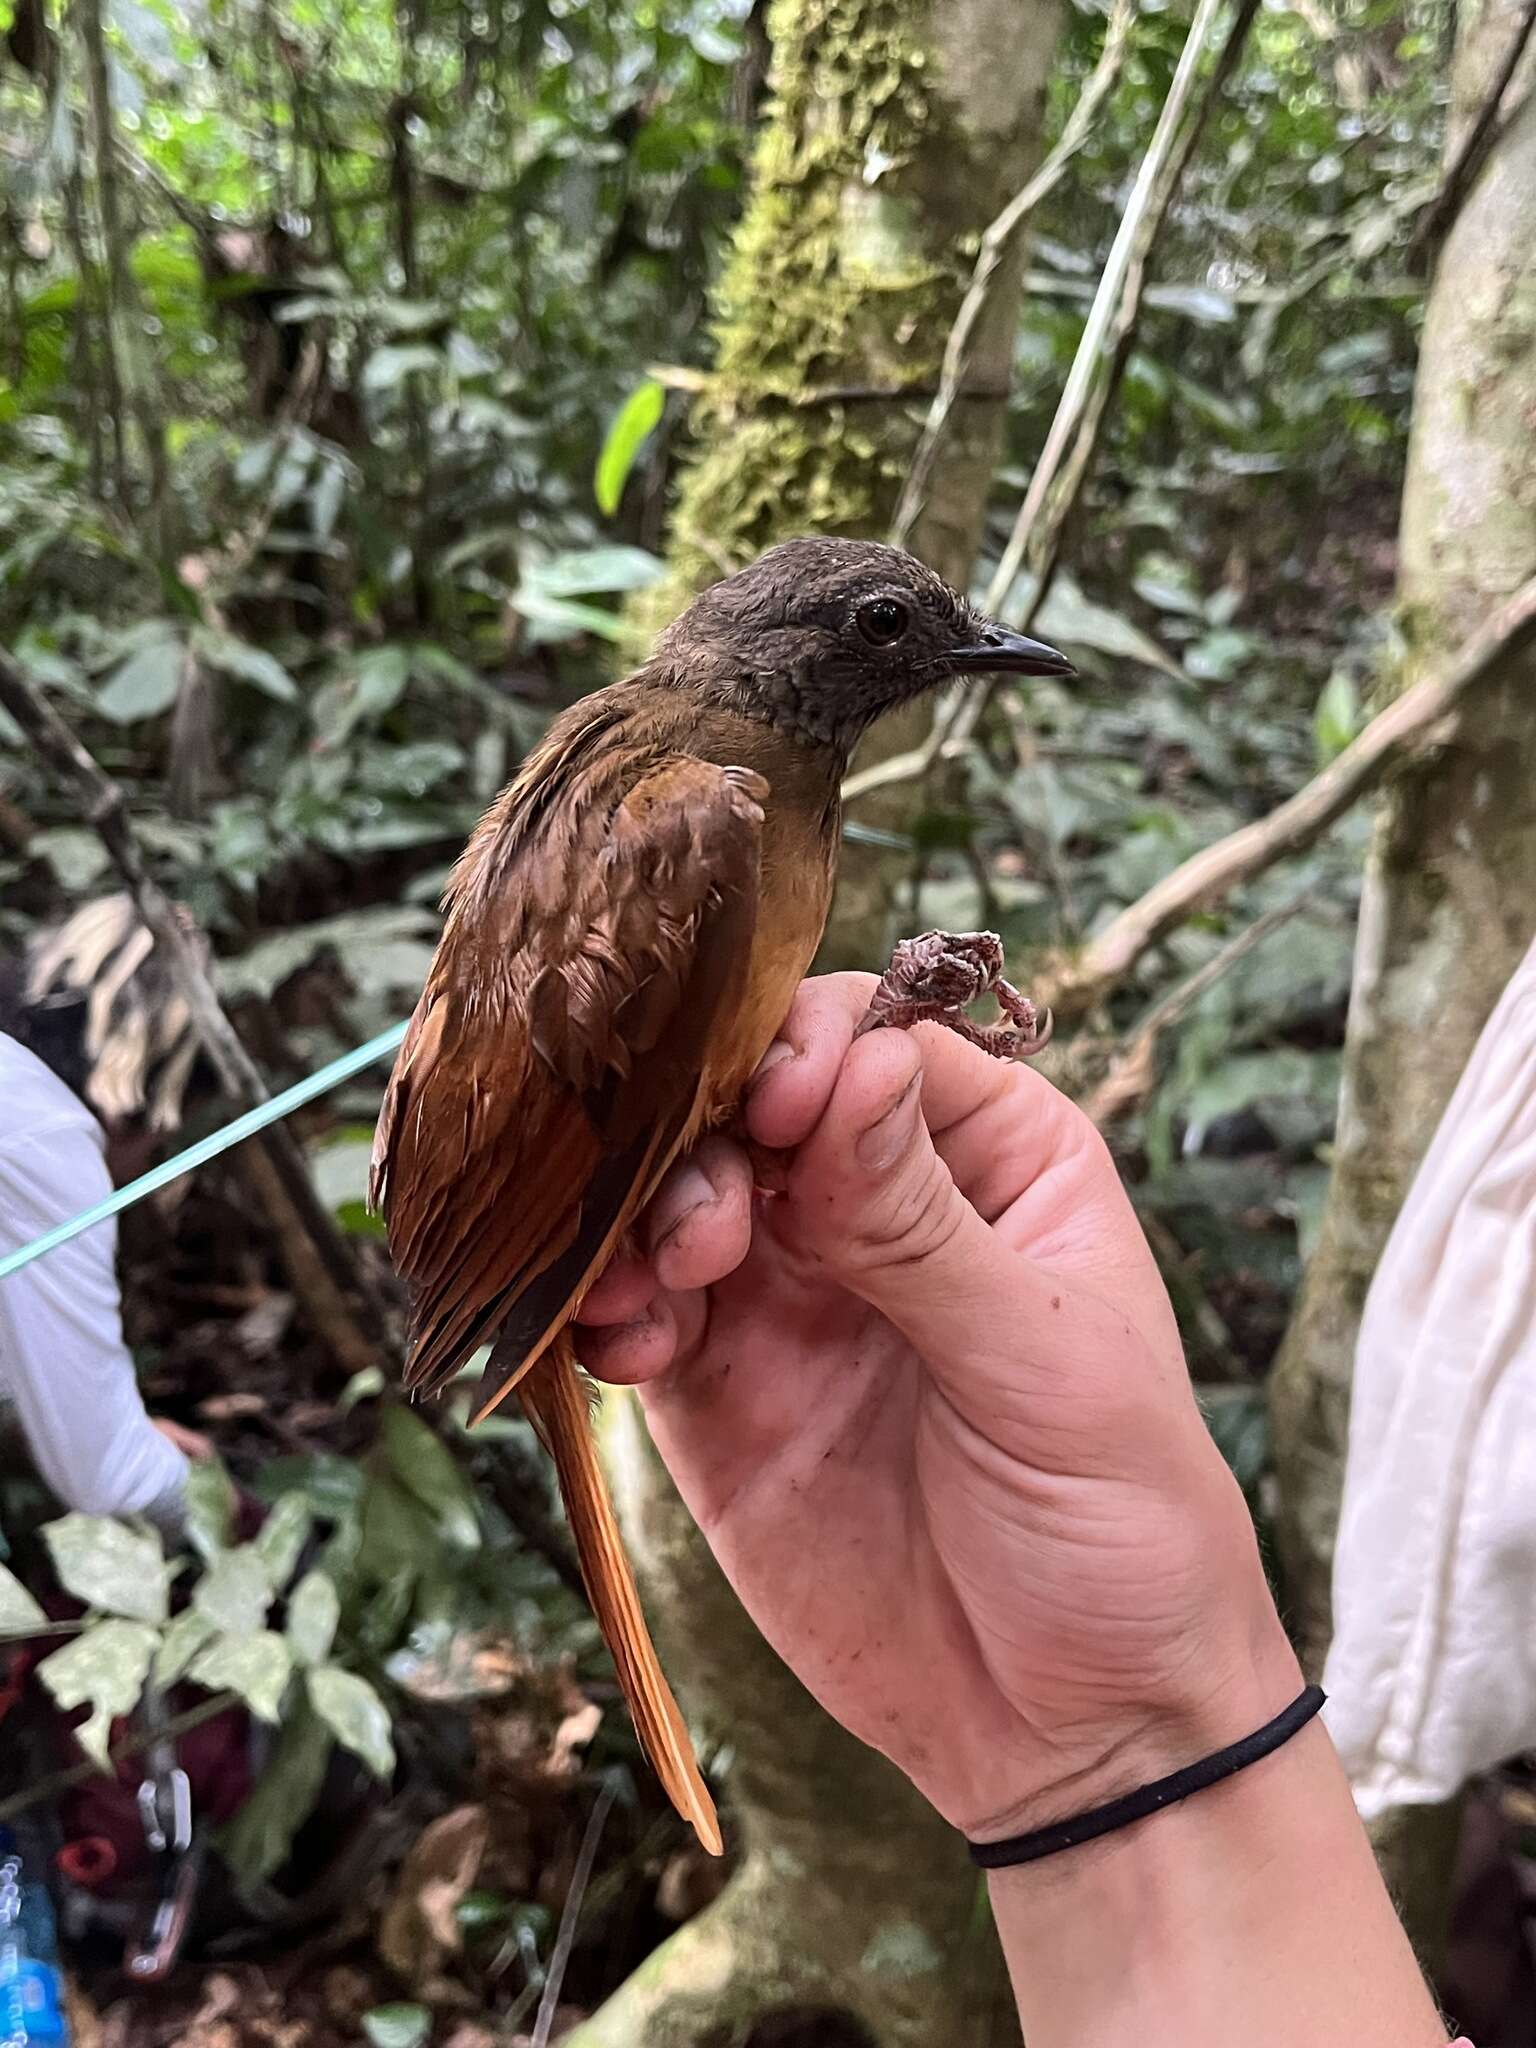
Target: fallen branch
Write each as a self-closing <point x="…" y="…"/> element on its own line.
<point x="1211" y="875"/>
<point x="1462" y="167"/>
<point x="318" y="1259"/>
<point x="996" y="244"/>
<point x="1133" y="1069"/>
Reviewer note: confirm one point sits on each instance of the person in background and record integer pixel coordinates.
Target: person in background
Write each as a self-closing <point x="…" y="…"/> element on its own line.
<point x="94" y="1060"/>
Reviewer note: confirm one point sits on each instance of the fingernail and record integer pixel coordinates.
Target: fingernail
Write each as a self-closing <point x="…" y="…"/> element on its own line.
<point x="690" y="1189"/>
<point x="777" y="1053"/>
<point x="884" y="1142"/>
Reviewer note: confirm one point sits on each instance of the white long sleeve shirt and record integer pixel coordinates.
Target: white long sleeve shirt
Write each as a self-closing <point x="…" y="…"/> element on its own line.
<point x="63" y="1363"/>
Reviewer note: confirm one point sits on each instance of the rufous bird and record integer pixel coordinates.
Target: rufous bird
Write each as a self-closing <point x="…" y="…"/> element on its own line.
<point x="623" y="936"/>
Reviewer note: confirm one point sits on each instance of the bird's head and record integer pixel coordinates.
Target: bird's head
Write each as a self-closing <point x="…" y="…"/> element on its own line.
<point x="823" y="635"/>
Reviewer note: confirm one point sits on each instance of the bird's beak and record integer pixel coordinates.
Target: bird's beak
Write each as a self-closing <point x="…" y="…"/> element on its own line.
<point x="998" y="650"/>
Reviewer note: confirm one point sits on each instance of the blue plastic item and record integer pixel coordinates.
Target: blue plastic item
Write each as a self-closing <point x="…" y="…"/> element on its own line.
<point x="31" y="1986"/>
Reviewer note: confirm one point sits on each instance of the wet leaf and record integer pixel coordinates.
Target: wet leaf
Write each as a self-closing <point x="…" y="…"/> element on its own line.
<point x="250" y="664"/>
<point x="109" y="1565"/>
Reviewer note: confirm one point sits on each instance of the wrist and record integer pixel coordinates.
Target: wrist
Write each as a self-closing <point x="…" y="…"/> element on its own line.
<point x="1252" y="1911"/>
<point x="1229" y="1686"/>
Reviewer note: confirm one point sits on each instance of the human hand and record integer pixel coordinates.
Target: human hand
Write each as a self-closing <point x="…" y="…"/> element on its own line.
<point x="930" y="1409"/>
<point x="190" y="1442"/>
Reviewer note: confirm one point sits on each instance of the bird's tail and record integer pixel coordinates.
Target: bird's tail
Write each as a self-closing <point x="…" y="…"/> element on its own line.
<point x="556" y="1402"/>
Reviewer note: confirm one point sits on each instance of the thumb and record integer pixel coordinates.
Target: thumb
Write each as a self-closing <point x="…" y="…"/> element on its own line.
<point x="878" y="1210"/>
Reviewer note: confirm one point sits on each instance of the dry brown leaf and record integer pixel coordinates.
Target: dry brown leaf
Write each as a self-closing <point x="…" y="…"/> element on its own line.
<point x="419" y="1927"/>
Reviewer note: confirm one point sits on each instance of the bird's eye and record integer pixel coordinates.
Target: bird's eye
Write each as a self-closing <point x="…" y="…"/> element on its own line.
<point x="882" y="621"/>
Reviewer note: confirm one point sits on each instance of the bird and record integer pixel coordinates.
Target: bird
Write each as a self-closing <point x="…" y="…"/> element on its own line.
<point x="622" y="938"/>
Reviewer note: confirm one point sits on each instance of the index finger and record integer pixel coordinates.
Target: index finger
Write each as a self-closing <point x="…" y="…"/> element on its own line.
<point x="997" y="1124"/>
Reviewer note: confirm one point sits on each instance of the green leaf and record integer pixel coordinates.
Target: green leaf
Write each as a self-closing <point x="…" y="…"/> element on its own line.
<point x="281" y="1538"/>
<point x="19" y="1612"/>
<point x="235" y="1592"/>
<point x="397" y="2026"/>
<point x="314" y="1608"/>
<point x="392" y="364"/>
<point x="355" y="1715"/>
<point x="578" y="572"/>
<point x="257" y="1667"/>
<point x="210" y="1507"/>
<point x="105" y="1669"/>
<point x="635" y="422"/>
<point x="257" y="1841"/>
<point x="554" y="619"/>
<point x="180" y="1644"/>
<point x="1336" y="719"/>
<point x="365" y="1385"/>
<point x="251" y="664"/>
<point x="145" y="684"/>
<point x="106" y="1564"/>
<point x="1069" y="616"/>
<point x="427" y="1468"/>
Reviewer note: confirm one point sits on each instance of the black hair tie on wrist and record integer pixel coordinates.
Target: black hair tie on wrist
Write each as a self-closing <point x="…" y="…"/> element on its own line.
<point x="1120" y="1813"/>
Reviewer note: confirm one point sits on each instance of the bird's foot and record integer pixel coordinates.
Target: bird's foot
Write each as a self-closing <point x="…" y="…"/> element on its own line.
<point x="935" y="978"/>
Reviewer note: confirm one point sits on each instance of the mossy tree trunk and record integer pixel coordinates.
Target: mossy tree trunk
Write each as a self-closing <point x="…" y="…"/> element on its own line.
<point x="1449" y="907"/>
<point x="896" y="130"/>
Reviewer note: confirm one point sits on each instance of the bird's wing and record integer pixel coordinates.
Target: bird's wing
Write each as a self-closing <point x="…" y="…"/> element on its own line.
<point x="599" y="931"/>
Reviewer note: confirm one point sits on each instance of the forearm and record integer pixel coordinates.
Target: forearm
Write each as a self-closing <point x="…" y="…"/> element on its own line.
<point x="1251" y="1912"/>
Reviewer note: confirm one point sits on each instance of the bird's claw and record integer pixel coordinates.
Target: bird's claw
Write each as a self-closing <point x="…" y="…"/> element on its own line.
<point x="935" y="977"/>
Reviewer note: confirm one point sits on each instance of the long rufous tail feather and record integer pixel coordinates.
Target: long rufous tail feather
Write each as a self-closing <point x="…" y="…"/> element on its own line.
<point x="556" y="1402"/>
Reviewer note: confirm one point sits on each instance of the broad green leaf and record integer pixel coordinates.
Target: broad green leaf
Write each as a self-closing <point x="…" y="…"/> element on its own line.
<point x="314" y="1609"/>
<point x="256" y="1842"/>
<point x="365" y="1385"/>
<point x="105" y="1669"/>
<point x="250" y="664"/>
<point x="19" y="1612"/>
<point x="635" y="421"/>
<point x="210" y="1507"/>
<point x="578" y="572"/>
<point x="392" y="364"/>
<point x="181" y="1642"/>
<point x="1336" y="719"/>
<point x="257" y="1667"/>
<point x="1074" y="619"/>
<point x="76" y="856"/>
<point x="235" y="1591"/>
<point x="108" y="1565"/>
<point x="397" y="2026"/>
<point x="281" y="1538"/>
<point x="427" y="1468"/>
<point x="355" y="1715"/>
<point x="562" y="618"/>
<point x="145" y="684"/>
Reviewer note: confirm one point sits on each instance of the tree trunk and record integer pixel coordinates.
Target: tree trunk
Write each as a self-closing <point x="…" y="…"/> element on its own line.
<point x="1447" y="911"/>
<point x="896" y="131"/>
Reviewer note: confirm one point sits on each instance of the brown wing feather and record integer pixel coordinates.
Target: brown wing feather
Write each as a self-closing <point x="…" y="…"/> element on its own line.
<point x="559" y="1023"/>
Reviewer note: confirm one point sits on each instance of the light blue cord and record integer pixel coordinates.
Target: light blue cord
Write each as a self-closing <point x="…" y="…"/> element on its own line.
<point x="208" y="1148"/>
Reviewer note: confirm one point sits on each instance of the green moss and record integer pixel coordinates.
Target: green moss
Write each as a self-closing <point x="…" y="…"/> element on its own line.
<point x="839" y="282"/>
